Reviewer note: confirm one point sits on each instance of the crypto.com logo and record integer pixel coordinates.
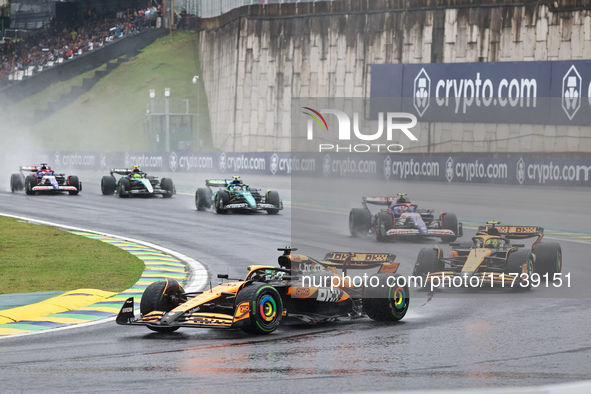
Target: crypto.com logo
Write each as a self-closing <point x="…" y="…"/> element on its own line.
<point x="344" y="131"/>
<point x="571" y="92"/>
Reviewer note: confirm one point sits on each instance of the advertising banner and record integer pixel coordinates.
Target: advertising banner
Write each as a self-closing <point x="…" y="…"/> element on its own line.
<point x="545" y="92"/>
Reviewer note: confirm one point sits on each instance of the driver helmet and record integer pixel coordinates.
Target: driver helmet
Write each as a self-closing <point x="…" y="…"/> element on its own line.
<point x="402" y="208"/>
<point x="137" y="175"/>
<point x="492" y="243"/>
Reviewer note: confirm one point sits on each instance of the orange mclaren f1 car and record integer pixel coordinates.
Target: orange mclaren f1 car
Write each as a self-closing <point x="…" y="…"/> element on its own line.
<point x="491" y="260"/>
<point x="301" y="289"/>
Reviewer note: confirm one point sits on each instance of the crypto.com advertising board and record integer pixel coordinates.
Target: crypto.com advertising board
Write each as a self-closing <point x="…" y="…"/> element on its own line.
<point x="545" y="92"/>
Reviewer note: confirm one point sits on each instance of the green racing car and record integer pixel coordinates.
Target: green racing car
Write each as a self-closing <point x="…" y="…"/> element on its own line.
<point x="234" y="195"/>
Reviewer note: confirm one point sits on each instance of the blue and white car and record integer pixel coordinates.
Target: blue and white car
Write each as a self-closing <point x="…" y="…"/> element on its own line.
<point x="234" y="195"/>
<point x="43" y="180"/>
<point x="135" y="182"/>
<point x="401" y="218"/>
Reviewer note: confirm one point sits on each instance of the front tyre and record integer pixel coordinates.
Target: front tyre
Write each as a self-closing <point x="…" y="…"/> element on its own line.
<point x="167" y="185"/>
<point x="521" y="262"/>
<point x="108" y="185"/>
<point x="449" y="221"/>
<point x="384" y="222"/>
<point x="124" y="187"/>
<point x="161" y="296"/>
<point x="222" y="198"/>
<point x="548" y="258"/>
<point x="266" y="308"/>
<point x="202" y="199"/>
<point x="74" y="181"/>
<point x="273" y="198"/>
<point x="16" y="183"/>
<point x="359" y="222"/>
<point x="387" y="298"/>
<point x="30" y="183"/>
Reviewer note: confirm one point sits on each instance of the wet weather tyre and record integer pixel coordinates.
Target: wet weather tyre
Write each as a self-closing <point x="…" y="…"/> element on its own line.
<point x="167" y="185"/>
<point x="428" y="262"/>
<point x="202" y="199"/>
<point x="449" y="221"/>
<point x="30" y="183"/>
<point x="124" y="187"/>
<point x="521" y="262"/>
<point x="108" y="185"/>
<point x="161" y="296"/>
<point x="548" y="258"/>
<point x="384" y="222"/>
<point x="386" y="298"/>
<point x="359" y="222"/>
<point x="273" y="198"/>
<point x="222" y="198"/>
<point x="16" y="183"/>
<point x="74" y="181"/>
<point x="266" y="308"/>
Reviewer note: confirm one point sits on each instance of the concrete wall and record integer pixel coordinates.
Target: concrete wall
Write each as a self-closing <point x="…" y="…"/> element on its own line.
<point x="256" y="58"/>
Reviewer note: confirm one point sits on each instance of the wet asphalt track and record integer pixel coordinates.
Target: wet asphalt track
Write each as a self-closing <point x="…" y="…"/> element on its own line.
<point x="449" y="339"/>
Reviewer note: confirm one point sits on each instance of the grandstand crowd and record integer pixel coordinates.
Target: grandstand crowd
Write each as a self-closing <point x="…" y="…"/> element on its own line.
<point x="62" y="41"/>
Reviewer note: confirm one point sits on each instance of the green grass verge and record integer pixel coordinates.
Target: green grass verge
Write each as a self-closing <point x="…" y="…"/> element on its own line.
<point x="111" y="116"/>
<point x="40" y="258"/>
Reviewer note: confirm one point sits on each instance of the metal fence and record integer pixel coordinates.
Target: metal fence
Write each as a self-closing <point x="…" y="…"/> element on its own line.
<point x="212" y="8"/>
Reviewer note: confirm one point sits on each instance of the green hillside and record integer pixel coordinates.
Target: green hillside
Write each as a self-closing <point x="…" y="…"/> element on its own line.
<point x="111" y="115"/>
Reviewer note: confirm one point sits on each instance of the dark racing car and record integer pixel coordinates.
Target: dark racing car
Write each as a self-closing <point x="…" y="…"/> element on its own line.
<point x="401" y="218"/>
<point x="135" y="182"/>
<point x="234" y="195"/>
<point x="42" y="179"/>
<point x="491" y="259"/>
<point x="300" y="290"/>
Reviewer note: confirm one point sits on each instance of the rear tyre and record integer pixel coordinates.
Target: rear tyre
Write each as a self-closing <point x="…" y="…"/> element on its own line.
<point x="384" y="222"/>
<point x="427" y="262"/>
<point x="167" y="185"/>
<point x="124" y="187"/>
<point x="222" y="198"/>
<point x="108" y="185"/>
<point x="359" y="222"/>
<point x="74" y="181"/>
<point x="202" y="199"/>
<point x="521" y="262"/>
<point x="30" y="183"/>
<point x="388" y="301"/>
<point x="273" y="198"/>
<point x="266" y="308"/>
<point x="548" y="258"/>
<point x="161" y="296"/>
<point x="16" y="183"/>
<point x="449" y="221"/>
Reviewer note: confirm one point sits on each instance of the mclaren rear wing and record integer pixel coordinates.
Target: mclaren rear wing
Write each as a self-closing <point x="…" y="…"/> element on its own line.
<point x="512" y="232"/>
<point x="354" y="260"/>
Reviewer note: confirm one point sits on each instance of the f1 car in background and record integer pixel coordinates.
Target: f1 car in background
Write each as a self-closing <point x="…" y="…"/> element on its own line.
<point x="234" y="195"/>
<point x="493" y="259"/>
<point x="135" y="182"/>
<point x="42" y="179"/>
<point x="300" y="290"/>
<point x="401" y="218"/>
